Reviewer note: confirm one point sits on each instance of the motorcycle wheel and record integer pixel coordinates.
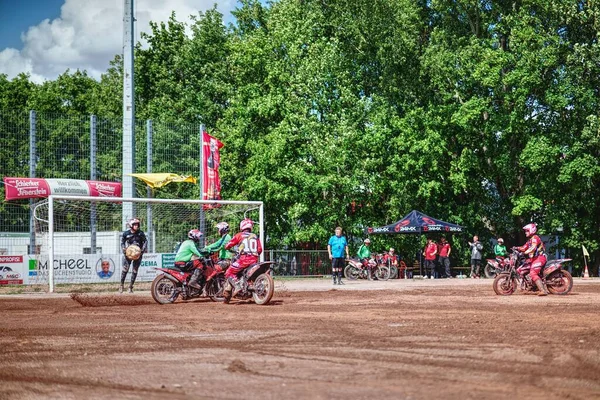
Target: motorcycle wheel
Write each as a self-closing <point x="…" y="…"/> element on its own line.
<point x="504" y="284"/>
<point x="489" y="271"/>
<point x="393" y="272"/>
<point x="162" y="288"/>
<point x="215" y="290"/>
<point x="264" y="288"/>
<point x="351" y="272"/>
<point x="559" y="282"/>
<point x="382" y="273"/>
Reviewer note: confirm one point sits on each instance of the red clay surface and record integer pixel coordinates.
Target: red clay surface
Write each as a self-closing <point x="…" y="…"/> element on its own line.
<point x="414" y="340"/>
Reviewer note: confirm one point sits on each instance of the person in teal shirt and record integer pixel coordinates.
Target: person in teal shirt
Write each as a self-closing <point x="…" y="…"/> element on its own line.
<point x="336" y="247"/>
<point x="500" y="248"/>
<point x="225" y="256"/>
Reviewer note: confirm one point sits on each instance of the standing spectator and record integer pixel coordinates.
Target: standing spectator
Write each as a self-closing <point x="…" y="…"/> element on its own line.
<point x="444" y="250"/>
<point x="337" y="246"/>
<point x="132" y="236"/>
<point x="430" y="257"/>
<point x="476" y="248"/>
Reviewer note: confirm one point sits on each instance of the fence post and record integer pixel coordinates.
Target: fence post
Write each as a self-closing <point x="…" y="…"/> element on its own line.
<point x="32" y="167"/>
<point x="93" y="177"/>
<point x="149" y="227"/>
<point x="201" y="180"/>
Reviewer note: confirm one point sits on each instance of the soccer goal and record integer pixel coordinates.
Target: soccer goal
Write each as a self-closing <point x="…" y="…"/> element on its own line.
<point x="82" y="235"/>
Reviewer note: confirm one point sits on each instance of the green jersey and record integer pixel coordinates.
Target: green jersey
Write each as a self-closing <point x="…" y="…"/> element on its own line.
<point x="220" y="246"/>
<point x="500" y="250"/>
<point x="363" y="252"/>
<point x="186" y="251"/>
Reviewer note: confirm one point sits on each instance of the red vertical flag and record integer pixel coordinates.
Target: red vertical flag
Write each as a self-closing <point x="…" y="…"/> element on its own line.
<point x="211" y="183"/>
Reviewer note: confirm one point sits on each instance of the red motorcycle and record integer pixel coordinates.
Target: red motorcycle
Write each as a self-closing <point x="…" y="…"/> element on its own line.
<point x="556" y="279"/>
<point x="496" y="266"/>
<point x="256" y="282"/>
<point x="173" y="283"/>
<point x="371" y="269"/>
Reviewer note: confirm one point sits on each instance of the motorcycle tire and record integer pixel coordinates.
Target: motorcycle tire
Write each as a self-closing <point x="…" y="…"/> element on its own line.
<point x="382" y="273"/>
<point x="351" y="272"/>
<point x="162" y="289"/>
<point x="489" y="271"/>
<point x="264" y="288"/>
<point x="215" y="290"/>
<point x="504" y="284"/>
<point x="393" y="272"/>
<point x="559" y="282"/>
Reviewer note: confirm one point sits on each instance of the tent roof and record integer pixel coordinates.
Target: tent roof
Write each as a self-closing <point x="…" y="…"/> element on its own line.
<point x="416" y="222"/>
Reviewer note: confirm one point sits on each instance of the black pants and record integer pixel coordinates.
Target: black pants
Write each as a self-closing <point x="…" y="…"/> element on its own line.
<point x="430" y="266"/>
<point x="445" y="266"/>
<point x="135" y="264"/>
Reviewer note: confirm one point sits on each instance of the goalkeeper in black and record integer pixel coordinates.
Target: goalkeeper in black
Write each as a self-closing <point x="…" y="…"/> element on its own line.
<point x="132" y="236"/>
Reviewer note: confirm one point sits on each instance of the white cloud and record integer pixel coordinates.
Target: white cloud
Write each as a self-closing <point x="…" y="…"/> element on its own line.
<point x="88" y="34"/>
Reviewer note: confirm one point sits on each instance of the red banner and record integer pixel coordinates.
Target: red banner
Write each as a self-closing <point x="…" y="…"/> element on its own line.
<point x="211" y="183"/>
<point x="28" y="188"/>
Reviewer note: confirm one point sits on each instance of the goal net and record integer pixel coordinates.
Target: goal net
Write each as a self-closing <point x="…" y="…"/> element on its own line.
<point x="82" y="235"/>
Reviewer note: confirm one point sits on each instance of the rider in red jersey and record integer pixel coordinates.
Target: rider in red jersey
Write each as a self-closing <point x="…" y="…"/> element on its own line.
<point x="536" y="252"/>
<point x="249" y="247"/>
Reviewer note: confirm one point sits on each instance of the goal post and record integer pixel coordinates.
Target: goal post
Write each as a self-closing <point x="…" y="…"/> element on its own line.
<point x="81" y="234"/>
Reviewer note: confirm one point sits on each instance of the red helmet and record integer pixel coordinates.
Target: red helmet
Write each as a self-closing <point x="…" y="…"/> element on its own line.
<point x="530" y="229"/>
<point x="132" y="222"/>
<point x="246" y="224"/>
<point x="195" y="235"/>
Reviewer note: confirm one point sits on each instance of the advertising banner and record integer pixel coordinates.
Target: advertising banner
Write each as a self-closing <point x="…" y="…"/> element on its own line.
<point x="211" y="183"/>
<point x="27" y="188"/>
<point x="90" y="268"/>
<point x="11" y="270"/>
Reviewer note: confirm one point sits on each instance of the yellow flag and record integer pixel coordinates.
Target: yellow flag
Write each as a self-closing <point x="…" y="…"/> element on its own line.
<point x="585" y="252"/>
<point x="158" y="180"/>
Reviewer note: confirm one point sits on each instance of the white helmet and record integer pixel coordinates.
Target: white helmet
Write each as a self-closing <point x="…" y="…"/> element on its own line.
<point x="132" y="222"/>
<point x="530" y="229"/>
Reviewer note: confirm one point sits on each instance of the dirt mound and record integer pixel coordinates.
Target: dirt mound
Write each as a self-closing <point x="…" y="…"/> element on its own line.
<point x="107" y="300"/>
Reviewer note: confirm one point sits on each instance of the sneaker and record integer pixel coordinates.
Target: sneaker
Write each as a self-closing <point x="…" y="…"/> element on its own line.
<point x="130" y="290"/>
<point x="335" y="282"/>
<point x="121" y="288"/>
<point x="340" y="282"/>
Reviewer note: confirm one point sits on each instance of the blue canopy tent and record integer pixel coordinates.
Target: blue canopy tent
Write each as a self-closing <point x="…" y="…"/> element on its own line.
<point x="415" y="222"/>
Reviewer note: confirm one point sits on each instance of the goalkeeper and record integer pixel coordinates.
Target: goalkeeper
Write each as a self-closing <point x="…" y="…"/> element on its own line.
<point x="225" y="256"/>
<point x="132" y="256"/>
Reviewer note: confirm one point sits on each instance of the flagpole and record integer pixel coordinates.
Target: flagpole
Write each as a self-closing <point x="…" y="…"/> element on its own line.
<point x="201" y="180"/>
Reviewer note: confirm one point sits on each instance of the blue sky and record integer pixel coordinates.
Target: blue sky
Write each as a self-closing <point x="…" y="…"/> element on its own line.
<point x="44" y="38"/>
<point x="16" y="16"/>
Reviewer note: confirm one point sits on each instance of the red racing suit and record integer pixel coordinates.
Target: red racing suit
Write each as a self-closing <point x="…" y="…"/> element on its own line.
<point x="536" y="252"/>
<point x="249" y="249"/>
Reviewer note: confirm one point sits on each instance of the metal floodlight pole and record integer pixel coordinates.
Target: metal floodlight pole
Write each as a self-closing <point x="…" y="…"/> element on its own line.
<point x="93" y="176"/>
<point x="128" y="110"/>
<point x="32" y="165"/>
<point x="202" y="221"/>
<point x="50" y="243"/>
<point x="149" y="227"/>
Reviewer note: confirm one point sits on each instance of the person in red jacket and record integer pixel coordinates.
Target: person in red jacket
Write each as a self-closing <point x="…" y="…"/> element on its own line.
<point x="535" y="252"/>
<point x="430" y="255"/>
<point x="249" y="248"/>
<point x="444" y="250"/>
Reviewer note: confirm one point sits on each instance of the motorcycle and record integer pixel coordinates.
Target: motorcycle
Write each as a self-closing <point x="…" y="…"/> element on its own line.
<point x="256" y="282"/>
<point x="557" y="280"/>
<point x="496" y="266"/>
<point x="173" y="283"/>
<point x="357" y="270"/>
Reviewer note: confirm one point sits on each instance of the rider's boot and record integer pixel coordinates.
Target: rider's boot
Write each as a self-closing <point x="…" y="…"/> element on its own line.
<point x="227" y="291"/>
<point x="237" y="286"/>
<point x="340" y="279"/>
<point x="334" y="274"/>
<point x="194" y="279"/>
<point x="541" y="289"/>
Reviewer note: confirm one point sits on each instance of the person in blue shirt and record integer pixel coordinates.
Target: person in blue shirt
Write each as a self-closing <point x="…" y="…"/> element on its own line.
<point x="337" y="246"/>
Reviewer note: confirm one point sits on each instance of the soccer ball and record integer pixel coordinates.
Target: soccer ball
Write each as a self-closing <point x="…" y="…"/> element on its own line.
<point x="133" y="252"/>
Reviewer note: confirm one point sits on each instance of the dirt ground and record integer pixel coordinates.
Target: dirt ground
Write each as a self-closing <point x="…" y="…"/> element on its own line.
<point x="366" y="340"/>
